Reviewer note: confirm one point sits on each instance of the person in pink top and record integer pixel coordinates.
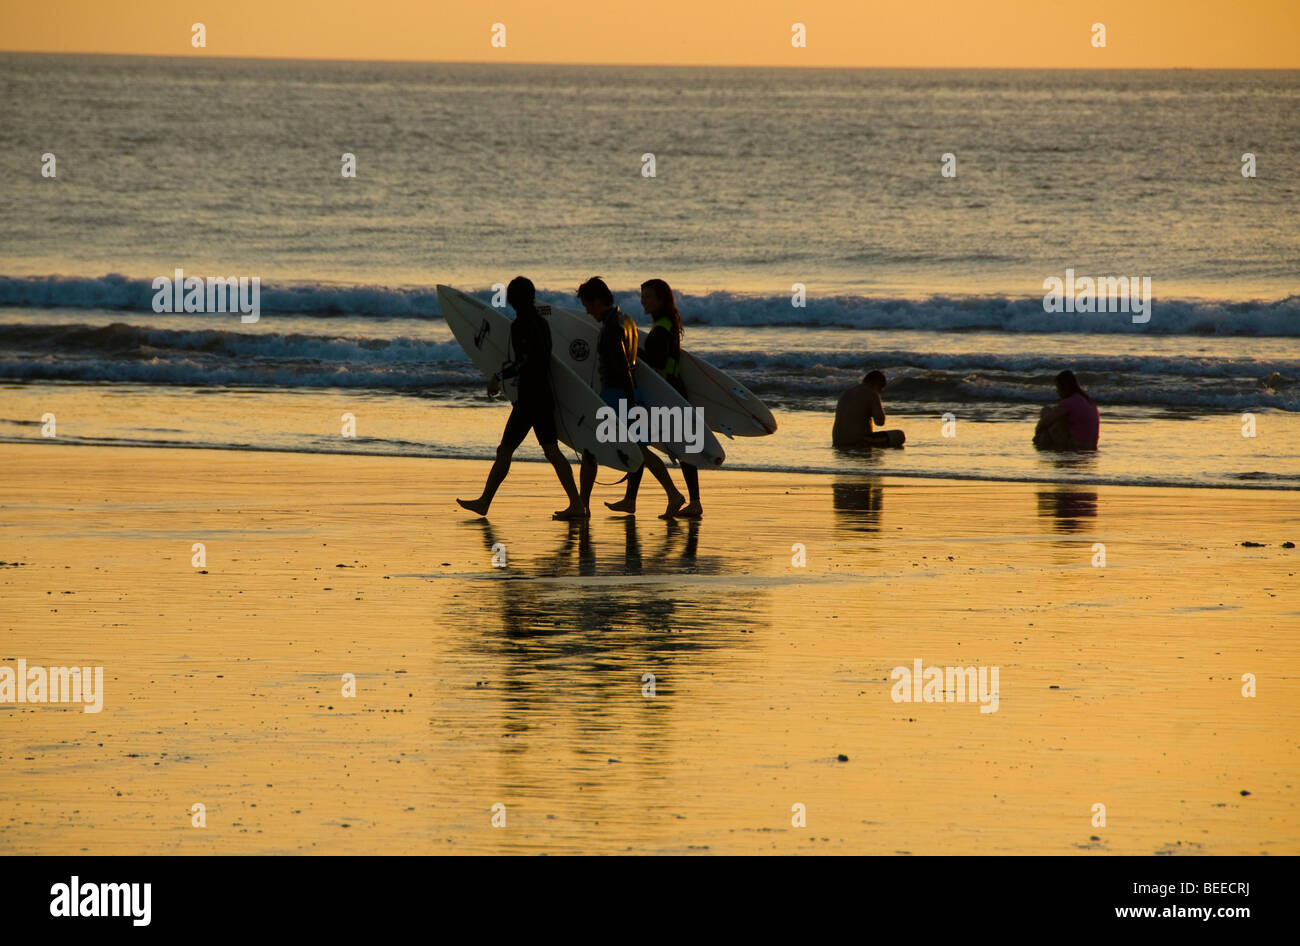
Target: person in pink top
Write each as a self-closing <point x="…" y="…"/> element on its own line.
<point x="1073" y="423"/>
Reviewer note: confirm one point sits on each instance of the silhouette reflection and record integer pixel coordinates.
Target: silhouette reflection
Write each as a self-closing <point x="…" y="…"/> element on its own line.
<point x="1067" y="508"/>
<point x="858" y="504"/>
<point x="579" y="628"/>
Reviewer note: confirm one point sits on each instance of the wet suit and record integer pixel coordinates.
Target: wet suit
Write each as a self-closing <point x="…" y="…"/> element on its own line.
<point x="534" y="409"/>
<point x="616" y="351"/>
<point x="663" y="353"/>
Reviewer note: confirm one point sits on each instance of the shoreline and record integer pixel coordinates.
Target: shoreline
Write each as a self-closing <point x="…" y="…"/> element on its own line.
<point x="973" y="478"/>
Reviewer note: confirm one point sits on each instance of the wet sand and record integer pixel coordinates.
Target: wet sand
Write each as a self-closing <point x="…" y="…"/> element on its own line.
<point x="523" y="686"/>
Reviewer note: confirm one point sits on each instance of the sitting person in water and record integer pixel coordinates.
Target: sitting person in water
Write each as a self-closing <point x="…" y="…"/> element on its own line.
<point x="1073" y="423"/>
<point x="858" y="407"/>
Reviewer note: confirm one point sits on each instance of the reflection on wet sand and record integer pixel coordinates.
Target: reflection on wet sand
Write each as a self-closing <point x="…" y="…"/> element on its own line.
<point x="576" y="556"/>
<point x="858" y="504"/>
<point x="573" y="654"/>
<point x="1068" y="508"/>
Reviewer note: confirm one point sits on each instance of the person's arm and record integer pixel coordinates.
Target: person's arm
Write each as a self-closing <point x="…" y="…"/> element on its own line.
<point x="1054" y="413"/>
<point x="656" y="349"/>
<point x="610" y="344"/>
<point x="510" y="367"/>
<point x="538" y="350"/>
<point x="877" y="409"/>
<point x="508" y="370"/>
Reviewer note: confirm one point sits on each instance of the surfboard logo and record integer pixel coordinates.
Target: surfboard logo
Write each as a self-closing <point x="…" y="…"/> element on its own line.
<point x="579" y="350"/>
<point x="481" y="334"/>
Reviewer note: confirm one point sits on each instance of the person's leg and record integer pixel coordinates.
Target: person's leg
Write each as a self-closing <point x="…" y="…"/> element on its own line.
<point x="660" y="472"/>
<point x="586" y="480"/>
<point x="542" y="415"/>
<point x="651" y="461"/>
<point x="611" y="396"/>
<point x="1040" y="430"/>
<point x="576" y="508"/>
<point x="1054" y="437"/>
<point x="693" y="509"/>
<point x="516" y="429"/>
<point x="690" y="473"/>
<point x="628" y="502"/>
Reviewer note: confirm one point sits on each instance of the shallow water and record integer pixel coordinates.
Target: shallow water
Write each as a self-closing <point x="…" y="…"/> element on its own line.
<point x="1147" y="446"/>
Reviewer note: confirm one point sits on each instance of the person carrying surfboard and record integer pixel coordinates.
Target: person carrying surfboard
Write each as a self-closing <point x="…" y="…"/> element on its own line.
<point x="857" y="408"/>
<point x="663" y="353"/>
<point x="534" y="409"/>
<point x="616" y="348"/>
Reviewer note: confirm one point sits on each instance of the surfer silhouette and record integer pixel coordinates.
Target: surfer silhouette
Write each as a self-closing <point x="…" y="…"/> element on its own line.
<point x="663" y="353"/>
<point x="858" y="407"/>
<point x="534" y="409"/>
<point x="616" y="359"/>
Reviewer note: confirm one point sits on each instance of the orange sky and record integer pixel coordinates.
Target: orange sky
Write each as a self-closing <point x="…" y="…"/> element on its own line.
<point x="936" y="33"/>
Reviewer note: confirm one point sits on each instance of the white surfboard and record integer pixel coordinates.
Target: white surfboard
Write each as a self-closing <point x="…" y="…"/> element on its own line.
<point x="729" y="407"/>
<point x="484" y="333"/>
<point x="573" y="340"/>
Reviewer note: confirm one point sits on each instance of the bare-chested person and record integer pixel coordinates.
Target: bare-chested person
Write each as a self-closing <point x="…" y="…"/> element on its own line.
<point x="859" y="406"/>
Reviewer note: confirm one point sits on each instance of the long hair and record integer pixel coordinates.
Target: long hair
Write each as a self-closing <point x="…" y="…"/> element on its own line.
<point x="1068" y="385"/>
<point x="667" y="305"/>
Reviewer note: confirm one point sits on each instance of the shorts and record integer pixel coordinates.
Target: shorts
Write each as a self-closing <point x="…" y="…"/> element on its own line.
<point x="534" y="413"/>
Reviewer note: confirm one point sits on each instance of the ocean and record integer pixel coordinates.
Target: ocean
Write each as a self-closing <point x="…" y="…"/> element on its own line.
<point x="764" y="179"/>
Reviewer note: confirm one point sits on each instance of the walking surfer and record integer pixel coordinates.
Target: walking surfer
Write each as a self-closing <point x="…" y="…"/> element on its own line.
<point x="534" y="408"/>
<point x="663" y="353"/>
<point x="616" y="348"/>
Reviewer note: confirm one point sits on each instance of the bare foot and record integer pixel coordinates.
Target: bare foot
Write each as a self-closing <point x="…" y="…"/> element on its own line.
<point x="623" y="505"/>
<point x="474" y="505"/>
<point x="693" y="511"/>
<point x="567" y="515"/>
<point x="674" y="503"/>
